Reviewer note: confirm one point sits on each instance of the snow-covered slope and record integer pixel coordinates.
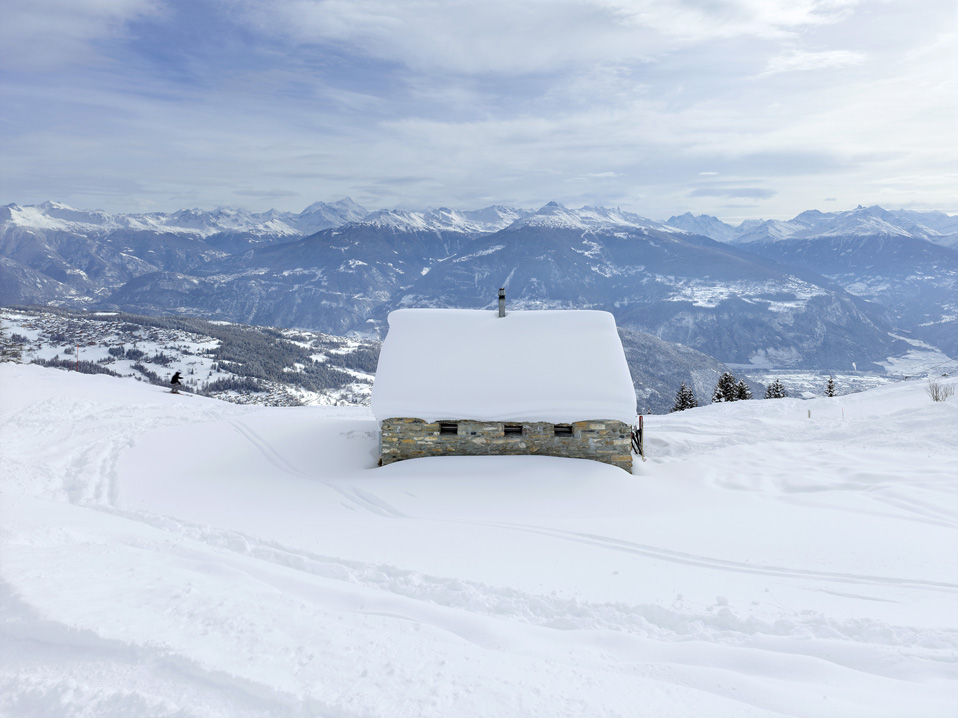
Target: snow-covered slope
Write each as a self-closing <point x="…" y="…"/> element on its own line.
<point x="183" y="556"/>
<point x="234" y="362"/>
<point x="495" y="218"/>
<point x="482" y="221"/>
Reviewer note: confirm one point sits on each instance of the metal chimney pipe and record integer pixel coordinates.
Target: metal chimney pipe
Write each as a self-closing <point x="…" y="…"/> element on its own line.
<point x="502" y="302"/>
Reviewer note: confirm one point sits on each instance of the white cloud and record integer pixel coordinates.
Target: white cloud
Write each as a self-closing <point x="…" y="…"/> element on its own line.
<point x="798" y="60"/>
<point x="469" y="37"/>
<point x="429" y="103"/>
<point x="47" y="34"/>
<point x="534" y="35"/>
<point x="698" y="20"/>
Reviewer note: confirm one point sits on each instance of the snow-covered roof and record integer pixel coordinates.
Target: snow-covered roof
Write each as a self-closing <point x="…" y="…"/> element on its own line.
<point x="556" y="366"/>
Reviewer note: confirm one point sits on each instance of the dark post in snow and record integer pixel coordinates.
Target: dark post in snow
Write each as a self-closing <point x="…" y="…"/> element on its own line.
<point x="502" y="302"/>
<point x="641" y="439"/>
<point x="638" y="441"/>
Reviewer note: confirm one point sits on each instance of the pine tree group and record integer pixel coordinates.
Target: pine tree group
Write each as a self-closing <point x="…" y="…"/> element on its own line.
<point x="728" y="389"/>
<point x="775" y="390"/>
<point x="684" y="399"/>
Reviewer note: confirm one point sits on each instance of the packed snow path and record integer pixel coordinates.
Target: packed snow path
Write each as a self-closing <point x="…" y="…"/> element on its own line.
<point x="167" y="555"/>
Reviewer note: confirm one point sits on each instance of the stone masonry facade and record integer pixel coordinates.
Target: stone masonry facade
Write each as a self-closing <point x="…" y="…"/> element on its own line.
<point x="600" y="440"/>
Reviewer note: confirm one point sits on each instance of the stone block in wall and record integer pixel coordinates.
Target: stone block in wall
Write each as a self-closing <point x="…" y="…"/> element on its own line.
<point x="480" y="428"/>
<point x="599" y="440"/>
<point x="537" y="430"/>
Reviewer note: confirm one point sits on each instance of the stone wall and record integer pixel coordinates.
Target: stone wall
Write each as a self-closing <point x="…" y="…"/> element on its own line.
<point x="601" y="440"/>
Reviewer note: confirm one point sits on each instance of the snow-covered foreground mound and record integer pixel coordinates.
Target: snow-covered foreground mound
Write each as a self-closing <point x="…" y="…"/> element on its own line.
<point x="167" y="555"/>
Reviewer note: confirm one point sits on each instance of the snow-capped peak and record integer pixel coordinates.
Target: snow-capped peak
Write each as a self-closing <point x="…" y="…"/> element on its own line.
<point x="703" y="224"/>
<point x="861" y="221"/>
<point x="445" y="219"/>
<point x="555" y="215"/>
<point x="397" y="219"/>
<point x="496" y="217"/>
<point x="319" y="216"/>
<point x="58" y="216"/>
<point x="200" y="223"/>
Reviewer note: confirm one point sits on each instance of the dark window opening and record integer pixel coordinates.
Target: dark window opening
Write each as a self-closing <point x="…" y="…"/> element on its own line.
<point x="512" y="430"/>
<point x="448" y="428"/>
<point x="563" y="429"/>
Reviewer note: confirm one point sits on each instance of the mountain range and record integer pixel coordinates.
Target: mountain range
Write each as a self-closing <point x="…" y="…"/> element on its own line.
<point x="826" y="291"/>
<point x="936" y="227"/>
<point x="903" y="261"/>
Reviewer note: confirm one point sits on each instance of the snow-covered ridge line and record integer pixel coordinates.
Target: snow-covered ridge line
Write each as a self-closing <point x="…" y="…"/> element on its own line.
<point x="482" y="221"/>
<point x="555" y="216"/>
<point x="935" y="226"/>
<point x="193" y="222"/>
<point x="190" y="222"/>
<point x="859" y="222"/>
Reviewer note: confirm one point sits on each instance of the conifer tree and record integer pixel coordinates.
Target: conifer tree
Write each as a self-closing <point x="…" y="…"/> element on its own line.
<point x="742" y="391"/>
<point x="725" y="390"/>
<point x="775" y="390"/>
<point x="830" y="387"/>
<point x="684" y="399"/>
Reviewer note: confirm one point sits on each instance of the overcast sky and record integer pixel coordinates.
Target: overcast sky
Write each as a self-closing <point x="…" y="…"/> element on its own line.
<point x="737" y="108"/>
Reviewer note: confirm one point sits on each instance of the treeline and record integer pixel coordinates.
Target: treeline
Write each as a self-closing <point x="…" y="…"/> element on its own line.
<point x="151" y="376"/>
<point x="83" y="366"/>
<point x="242" y="384"/>
<point x="134" y="354"/>
<point x="729" y="388"/>
<point x="266" y="354"/>
<point x="363" y="358"/>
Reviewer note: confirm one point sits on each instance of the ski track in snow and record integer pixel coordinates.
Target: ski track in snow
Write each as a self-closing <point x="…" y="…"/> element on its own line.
<point x="354" y="496"/>
<point x="614" y="544"/>
<point x="565" y="614"/>
<point x="683" y="658"/>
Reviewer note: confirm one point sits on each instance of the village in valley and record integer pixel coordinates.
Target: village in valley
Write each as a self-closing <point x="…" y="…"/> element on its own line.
<point x="236" y="363"/>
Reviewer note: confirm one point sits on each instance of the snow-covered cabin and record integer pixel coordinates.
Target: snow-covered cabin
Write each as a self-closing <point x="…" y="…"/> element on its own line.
<point x="467" y="382"/>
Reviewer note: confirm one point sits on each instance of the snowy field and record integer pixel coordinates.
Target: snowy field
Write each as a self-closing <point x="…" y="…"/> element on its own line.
<point x="183" y="556"/>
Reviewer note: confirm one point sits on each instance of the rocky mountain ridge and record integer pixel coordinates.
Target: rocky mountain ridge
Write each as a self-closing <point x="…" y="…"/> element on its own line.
<point x="745" y="303"/>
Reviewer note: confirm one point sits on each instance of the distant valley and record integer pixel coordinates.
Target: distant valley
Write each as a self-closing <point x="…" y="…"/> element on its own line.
<point x="853" y="291"/>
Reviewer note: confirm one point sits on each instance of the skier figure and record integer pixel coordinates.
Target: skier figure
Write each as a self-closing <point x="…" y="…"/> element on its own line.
<point x="175" y="381"/>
